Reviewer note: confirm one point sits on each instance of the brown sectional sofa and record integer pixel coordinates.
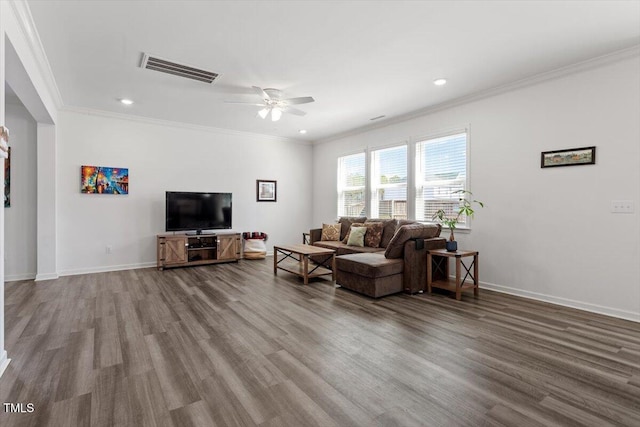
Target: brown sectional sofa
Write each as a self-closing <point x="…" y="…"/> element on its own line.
<point x="399" y="264"/>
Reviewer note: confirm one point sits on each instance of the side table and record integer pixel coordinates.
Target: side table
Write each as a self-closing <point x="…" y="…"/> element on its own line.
<point x="438" y="259"/>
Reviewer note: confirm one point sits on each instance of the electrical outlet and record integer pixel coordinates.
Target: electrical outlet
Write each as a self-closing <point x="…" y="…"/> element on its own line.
<point x="622" y="206"/>
<point x="107" y="249"/>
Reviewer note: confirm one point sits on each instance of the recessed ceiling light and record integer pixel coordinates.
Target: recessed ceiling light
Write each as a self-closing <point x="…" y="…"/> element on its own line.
<point x="440" y="82"/>
<point x="302" y="131"/>
<point x="126" y="101"/>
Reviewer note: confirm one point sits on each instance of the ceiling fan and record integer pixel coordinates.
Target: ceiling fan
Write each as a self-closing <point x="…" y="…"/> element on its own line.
<point x="273" y="103"/>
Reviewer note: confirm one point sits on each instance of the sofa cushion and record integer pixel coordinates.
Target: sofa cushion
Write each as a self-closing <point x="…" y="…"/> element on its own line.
<point x="371" y="265"/>
<point x="330" y="232"/>
<point x="395" y="249"/>
<point x="343" y="249"/>
<point x="346" y="222"/>
<point x="390" y="226"/>
<point x="402" y="222"/>
<point x="328" y="245"/>
<point x="356" y="236"/>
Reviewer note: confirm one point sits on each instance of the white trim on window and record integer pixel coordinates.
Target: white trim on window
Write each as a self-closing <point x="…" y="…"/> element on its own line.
<point x="351" y="184"/>
<point x="415" y="183"/>
<point x="442" y="168"/>
<point x="388" y="180"/>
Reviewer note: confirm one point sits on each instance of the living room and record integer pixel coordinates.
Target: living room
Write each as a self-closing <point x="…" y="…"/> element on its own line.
<point x="545" y="234"/>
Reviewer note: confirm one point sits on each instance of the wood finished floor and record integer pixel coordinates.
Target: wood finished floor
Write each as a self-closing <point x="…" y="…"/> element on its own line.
<point x="234" y="345"/>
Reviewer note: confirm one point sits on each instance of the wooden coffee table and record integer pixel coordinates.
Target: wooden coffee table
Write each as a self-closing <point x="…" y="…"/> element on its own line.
<point x="440" y="259"/>
<point x="296" y="261"/>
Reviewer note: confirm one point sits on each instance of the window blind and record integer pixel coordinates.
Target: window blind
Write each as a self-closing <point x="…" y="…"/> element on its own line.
<point x="441" y="169"/>
<point x="389" y="183"/>
<point x="351" y="185"/>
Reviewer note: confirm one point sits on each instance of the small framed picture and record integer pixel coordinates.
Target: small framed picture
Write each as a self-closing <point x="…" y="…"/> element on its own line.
<point x="266" y="190"/>
<point x="4" y="141"/>
<point x="569" y="157"/>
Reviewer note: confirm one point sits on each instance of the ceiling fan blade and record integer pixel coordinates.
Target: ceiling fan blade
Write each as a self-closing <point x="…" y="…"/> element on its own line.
<point x="244" y="103"/>
<point x="261" y="92"/>
<point x="294" y="111"/>
<point x="300" y="100"/>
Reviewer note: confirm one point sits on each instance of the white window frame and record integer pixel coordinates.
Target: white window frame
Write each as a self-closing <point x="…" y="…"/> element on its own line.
<point x="414" y="185"/>
<point x="341" y="190"/>
<point x="374" y="187"/>
<point x="420" y="184"/>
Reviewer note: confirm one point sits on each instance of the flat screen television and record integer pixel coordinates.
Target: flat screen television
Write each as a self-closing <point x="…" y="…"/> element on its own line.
<point x="189" y="211"/>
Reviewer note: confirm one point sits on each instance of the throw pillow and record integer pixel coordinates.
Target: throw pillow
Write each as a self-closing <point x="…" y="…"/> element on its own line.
<point x="356" y="236"/>
<point x="388" y="231"/>
<point x="346" y="222"/>
<point x="355" y="224"/>
<point x="373" y="237"/>
<point x="330" y="232"/>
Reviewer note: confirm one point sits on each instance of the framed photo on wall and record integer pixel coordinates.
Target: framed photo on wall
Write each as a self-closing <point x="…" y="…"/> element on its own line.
<point x="568" y="157"/>
<point x="104" y="180"/>
<point x="266" y="190"/>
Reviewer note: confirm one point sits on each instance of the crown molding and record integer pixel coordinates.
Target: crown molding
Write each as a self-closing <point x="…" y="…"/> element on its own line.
<point x="557" y="73"/>
<point x="28" y="28"/>
<point x="180" y="125"/>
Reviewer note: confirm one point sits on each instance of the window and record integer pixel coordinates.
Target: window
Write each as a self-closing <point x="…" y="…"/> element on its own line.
<point x="441" y="169"/>
<point x="389" y="183"/>
<point x="351" y="185"/>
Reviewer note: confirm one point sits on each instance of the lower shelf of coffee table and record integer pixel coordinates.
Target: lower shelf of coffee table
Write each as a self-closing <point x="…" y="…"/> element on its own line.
<point x="297" y="268"/>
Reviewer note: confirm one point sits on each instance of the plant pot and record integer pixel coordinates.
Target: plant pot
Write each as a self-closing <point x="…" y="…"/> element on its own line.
<point x="451" y="246"/>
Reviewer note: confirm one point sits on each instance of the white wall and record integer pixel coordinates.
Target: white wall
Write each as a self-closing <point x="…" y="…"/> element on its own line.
<point x="19" y="43"/>
<point x="545" y="233"/>
<point x="162" y="158"/>
<point x="20" y="218"/>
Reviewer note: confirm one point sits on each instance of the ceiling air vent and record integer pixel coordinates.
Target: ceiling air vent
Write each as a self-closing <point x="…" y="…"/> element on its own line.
<point x="169" y="67"/>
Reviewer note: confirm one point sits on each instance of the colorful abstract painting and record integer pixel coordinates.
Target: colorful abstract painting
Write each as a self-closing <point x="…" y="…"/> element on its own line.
<point x="104" y="180"/>
<point x="7" y="180"/>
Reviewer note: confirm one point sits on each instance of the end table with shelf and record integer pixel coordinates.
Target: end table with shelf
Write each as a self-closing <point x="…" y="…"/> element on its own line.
<point x="438" y="266"/>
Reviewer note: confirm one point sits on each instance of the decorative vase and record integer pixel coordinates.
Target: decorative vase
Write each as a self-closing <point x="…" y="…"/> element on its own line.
<point x="451" y="246"/>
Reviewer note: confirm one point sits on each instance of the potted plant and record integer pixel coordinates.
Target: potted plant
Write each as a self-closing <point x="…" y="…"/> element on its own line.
<point x="451" y="219"/>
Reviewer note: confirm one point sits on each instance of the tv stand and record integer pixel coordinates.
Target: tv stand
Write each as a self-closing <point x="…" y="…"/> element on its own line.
<point x="198" y="233"/>
<point x="188" y="249"/>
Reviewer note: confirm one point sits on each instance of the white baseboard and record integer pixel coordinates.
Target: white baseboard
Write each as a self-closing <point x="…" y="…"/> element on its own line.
<point x="105" y="269"/>
<point x="46" y="276"/>
<point x="16" y="277"/>
<point x="594" y="308"/>
<point x="4" y="362"/>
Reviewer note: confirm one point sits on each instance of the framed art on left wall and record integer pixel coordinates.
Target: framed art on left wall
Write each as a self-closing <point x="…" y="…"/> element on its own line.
<point x="7" y="179"/>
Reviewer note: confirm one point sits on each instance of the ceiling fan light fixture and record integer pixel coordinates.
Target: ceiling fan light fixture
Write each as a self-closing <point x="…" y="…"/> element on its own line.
<point x="263" y="113"/>
<point x="272" y="102"/>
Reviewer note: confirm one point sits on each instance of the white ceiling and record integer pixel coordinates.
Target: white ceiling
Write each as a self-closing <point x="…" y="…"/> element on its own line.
<point x="358" y="59"/>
